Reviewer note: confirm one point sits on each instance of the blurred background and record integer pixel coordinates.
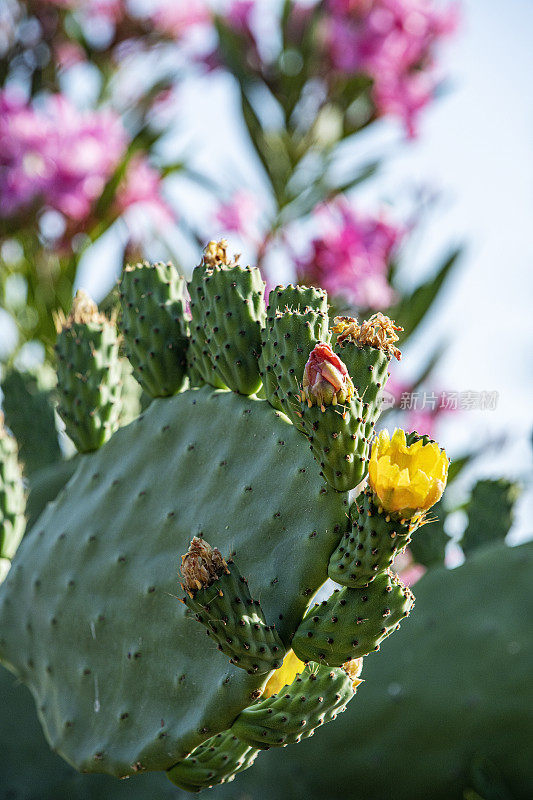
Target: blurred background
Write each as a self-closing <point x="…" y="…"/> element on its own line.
<point x="380" y="149"/>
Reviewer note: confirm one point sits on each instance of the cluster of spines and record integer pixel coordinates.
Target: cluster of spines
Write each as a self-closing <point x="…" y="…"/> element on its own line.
<point x="89" y="375"/>
<point x="154" y="326"/>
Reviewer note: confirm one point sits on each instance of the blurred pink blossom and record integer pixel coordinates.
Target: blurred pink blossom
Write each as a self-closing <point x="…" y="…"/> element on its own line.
<point x="394" y="42"/>
<point x="351" y="256"/>
<point x="423" y="409"/>
<point x="239" y="14"/>
<point x="56" y="154"/>
<point x="69" y="53"/>
<point x="142" y="187"/>
<point x="177" y="18"/>
<point x="239" y="215"/>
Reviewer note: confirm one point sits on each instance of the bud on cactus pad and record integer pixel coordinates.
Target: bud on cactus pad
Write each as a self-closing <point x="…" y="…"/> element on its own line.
<point x="216" y="761"/>
<point x="289" y="337"/>
<point x="154" y="327"/>
<point x="314" y="697"/>
<point x="353" y="622"/>
<point x="332" y="418"/>
<point x="88" y="375"/>
<point x="220" y="599"/>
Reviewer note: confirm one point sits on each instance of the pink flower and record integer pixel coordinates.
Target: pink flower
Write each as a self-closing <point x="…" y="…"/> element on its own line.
<point x="393" y="41"/>
<point x="423" y="409"/>
<point x="177" y="18"/>
<point x="239" y="14"/>
<point x="239" y="215"/>
<point x="56" y="155"/>
<point x="351" y="256"/>
<point x="142" y="187"/>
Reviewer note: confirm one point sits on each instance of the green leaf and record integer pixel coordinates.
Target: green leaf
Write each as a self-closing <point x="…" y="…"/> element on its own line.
<point x="412" y="308"/>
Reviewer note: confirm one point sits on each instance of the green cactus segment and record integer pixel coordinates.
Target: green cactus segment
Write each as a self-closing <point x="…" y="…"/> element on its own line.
<point x="89" y="618"/>
<point x="216" y="761"/>
<point x="313" y="698"/>
<point x="236" y="622"/>
<point x="233" y="313"/>
<point x="287" y="341"/>
<point x="12" y="496"/>
<point x="490" y="513"/>
<point x="369" y="547"/>
<point x="154" y="327"/>
<point x="88" y="376"/>
<point x="296" y="298"/>
<point x="338" y="442"/>
<point x="29" y="414"/>
<point x="201" y="368"/>
<point x="353" y="622"/>
<point x="368" y="368"/>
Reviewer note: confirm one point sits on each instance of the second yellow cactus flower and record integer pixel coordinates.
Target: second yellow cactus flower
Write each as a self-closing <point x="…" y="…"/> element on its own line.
<point x="406" y="479"/>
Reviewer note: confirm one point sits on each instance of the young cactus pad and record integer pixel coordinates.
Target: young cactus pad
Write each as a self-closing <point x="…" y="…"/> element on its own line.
<point x="88" y="375"/>
<point x="124" y="677"/>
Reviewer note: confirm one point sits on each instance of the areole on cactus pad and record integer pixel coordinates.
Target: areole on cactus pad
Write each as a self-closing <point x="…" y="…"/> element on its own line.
<point x="123" y="673"/>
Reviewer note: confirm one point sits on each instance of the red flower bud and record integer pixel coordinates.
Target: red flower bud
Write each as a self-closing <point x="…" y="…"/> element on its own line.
<point x="326" y="380"/>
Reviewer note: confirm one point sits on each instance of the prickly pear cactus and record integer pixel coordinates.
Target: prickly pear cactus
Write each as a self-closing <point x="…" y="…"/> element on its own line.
<point x="222" y="486"/>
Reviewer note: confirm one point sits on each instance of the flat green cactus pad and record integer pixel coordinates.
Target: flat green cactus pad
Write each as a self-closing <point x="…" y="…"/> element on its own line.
<point x="29" y="770"/>
<point x="124" y="678"/>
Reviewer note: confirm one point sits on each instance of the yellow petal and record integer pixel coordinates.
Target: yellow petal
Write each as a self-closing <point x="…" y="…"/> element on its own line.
<point x="285" y="675"/>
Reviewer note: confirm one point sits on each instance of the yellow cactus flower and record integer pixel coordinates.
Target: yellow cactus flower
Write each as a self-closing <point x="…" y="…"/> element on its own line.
<point x="406" y="479"/>
<point x="285" y="675"/>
